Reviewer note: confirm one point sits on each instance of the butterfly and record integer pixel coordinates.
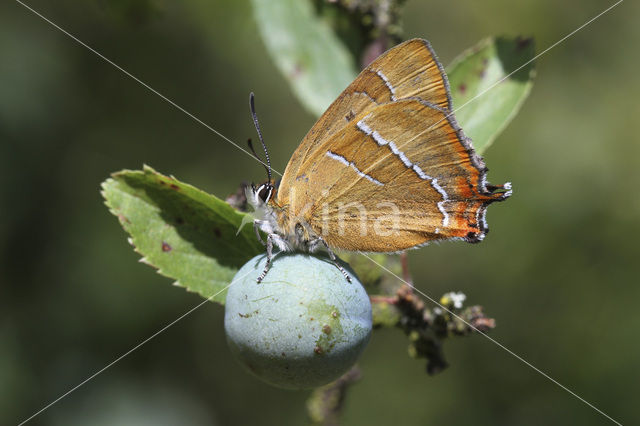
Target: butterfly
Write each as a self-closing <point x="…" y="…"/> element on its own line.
<point x="386" y="168"/>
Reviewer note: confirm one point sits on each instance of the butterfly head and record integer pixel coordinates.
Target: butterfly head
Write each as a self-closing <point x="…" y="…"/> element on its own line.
<point x="261" y="195"/>
<point x="262" y="199"/>
<point x="264" y="192"/>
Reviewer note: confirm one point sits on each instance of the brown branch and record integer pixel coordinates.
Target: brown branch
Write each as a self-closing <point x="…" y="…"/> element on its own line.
<point x="406" y="273"/>
<point x="427" y="329"/>
<point x="325" y="403"/>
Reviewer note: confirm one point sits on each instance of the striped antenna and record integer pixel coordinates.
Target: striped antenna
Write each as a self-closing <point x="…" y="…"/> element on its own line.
<point x="255" y="122"/>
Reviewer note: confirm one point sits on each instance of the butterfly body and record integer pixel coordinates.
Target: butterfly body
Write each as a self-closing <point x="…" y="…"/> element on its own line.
<point x="386" y="168"/>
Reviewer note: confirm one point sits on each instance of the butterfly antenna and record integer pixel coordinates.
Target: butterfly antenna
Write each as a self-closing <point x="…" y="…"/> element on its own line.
<point x="257" y="157"/>
<point x="255" y="122"/>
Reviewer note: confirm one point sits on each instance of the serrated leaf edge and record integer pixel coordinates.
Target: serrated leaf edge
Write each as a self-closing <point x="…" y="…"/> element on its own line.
<point x="131" y="241"/>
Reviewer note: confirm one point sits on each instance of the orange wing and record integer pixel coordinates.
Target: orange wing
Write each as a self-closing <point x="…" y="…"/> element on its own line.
<point x="408" y="167"/>
<point x="409" y="70"/>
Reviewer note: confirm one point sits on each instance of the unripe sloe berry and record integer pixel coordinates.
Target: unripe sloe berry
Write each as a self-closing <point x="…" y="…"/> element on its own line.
<point x="303" y="326"/>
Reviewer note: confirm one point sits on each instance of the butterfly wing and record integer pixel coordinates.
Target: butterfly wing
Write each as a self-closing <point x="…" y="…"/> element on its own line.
<point x="402" y="174"/>
<point x="408" y="70"/>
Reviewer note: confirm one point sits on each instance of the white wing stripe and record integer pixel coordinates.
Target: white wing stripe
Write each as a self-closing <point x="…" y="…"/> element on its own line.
<point x="348" y="163"/>
<point x="363" y="127"/>
<point x="388" y="83"/>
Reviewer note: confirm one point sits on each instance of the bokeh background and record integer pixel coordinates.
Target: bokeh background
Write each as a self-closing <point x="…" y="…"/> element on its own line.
<point x="559" y="270"/>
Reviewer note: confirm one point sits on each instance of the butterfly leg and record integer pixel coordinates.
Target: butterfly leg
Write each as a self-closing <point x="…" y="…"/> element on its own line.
<point x="332" y="255"/>
<point x="256" y="227"/>
<point x="269" y="258"/>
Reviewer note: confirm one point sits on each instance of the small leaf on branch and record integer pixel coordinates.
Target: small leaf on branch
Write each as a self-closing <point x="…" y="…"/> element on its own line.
<point x="308" y="53"/>
<point x="485" y="96"/>
<point x="185" y="233"/>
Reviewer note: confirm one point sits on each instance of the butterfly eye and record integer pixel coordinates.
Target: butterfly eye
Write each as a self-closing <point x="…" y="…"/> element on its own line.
<point x="264" y="192"/>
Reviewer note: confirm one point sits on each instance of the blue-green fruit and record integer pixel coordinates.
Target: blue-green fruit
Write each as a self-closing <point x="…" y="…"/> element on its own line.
<point x="303" y="326"/>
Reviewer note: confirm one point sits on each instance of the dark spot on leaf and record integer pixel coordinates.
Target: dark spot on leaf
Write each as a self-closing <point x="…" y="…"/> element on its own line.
<point x="297" y="71"/>
<point x="166" y="247"/>
<point x="299" y="336"/>
<point x="318" y="350"/>
<point x="311" y="319"/>
<point x="326" y="329"/>
<point x="123" y="218"/>
<point x="462" y="88"/>
<point x="175" y="187"/>
<point x="162" y="182"/>
<point x="283" y="354"/>
<point x="523" y="42"/>
<point x="179" y="220"/>
<point x="217" y="232"/>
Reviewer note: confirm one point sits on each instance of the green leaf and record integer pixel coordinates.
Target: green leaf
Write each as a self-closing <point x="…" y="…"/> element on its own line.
<point x="484" y="111"/>
<point x="311" y="56"/>
<point x="185" y="233"/>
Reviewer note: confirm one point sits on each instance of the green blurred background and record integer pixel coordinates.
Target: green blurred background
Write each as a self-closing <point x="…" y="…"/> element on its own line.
<point x="559" y="270"/>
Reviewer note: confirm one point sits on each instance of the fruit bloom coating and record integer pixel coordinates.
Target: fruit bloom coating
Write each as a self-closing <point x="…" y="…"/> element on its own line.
<point x="303" y="326"/>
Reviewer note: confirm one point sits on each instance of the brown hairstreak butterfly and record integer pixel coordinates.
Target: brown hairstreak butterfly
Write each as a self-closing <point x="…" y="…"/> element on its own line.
<point x="385" y="168"/>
